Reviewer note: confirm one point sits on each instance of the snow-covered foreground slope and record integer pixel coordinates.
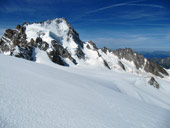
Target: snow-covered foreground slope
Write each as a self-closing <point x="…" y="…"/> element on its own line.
<point x="39" y="96"/>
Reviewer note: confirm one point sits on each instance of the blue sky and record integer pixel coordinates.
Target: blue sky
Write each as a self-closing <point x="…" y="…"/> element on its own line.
<point x="138" y="24"/>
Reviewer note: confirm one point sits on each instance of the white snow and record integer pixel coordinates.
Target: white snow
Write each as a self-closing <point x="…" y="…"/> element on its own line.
<point x="48" y="30"/>
<point x="35" y="95"/>
<point x="92" y="58"/>
<point x="42" y="57"/>
<point x="56" y="29"/>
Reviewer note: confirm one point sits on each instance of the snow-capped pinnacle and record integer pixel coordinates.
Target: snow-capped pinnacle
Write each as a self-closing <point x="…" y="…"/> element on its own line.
<point x="58" y="29"/>
<point x="59" y="42"/>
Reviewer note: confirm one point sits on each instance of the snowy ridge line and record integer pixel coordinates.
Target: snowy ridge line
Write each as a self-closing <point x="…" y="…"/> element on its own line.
<point x="62" y="45"/>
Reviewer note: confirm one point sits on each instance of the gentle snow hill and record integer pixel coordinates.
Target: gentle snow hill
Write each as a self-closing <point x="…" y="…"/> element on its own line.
<point x="39" y="96"/>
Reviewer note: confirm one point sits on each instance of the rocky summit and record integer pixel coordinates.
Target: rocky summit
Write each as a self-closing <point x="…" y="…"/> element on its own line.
<point x="62" y="45"/>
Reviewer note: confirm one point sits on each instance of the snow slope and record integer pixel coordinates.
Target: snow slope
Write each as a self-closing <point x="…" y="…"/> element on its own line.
<point x="34" y="95"/>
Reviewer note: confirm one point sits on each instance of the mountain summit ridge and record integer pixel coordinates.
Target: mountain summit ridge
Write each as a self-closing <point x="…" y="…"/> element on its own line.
<point x="58" y="39"/>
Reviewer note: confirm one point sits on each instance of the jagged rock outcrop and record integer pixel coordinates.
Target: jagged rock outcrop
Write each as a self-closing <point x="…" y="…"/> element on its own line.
<point x="72" y="33"/>
<point x="14" y="43"/>
<point x="105" y="49"/>
<point x="130" y="55"/>
<point x="154" y="83"/>
<point x="155" y="69"/>
<point x="122" y="66"/>
<point x="63" y="46"/>
<point x="59" y="51"/>
<point x="93" y="45"/>
<point x="80" y="54"/>
<point x="140" y="61"/>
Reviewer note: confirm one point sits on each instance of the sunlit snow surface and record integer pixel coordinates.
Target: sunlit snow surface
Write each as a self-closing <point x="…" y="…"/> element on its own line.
<point x="36" y="95"/>
<point x="56" y="29"/>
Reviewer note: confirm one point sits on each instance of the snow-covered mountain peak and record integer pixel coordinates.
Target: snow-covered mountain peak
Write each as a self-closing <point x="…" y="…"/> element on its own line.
<point x="47" y="30"/>
<point x="57" y="40"/>
<point x="58" y="29"/>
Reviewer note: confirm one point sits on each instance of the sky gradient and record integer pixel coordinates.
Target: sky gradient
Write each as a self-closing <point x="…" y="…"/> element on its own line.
<point x="138" y="24"/>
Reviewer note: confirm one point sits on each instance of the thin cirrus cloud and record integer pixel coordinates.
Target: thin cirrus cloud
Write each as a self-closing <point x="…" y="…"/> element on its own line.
<point x="146" y="5"/>
<point x="114" y="5"/>
<point x="131" y="3"/>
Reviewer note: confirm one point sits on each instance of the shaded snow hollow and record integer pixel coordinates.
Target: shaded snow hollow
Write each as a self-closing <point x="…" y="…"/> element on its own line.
<point x="51" y="96"/>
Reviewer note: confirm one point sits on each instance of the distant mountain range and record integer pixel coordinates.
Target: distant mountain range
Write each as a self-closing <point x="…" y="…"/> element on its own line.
<point x="155" y="54"/>
<point x="159" y="57"/>
<point x="164" y="62"/>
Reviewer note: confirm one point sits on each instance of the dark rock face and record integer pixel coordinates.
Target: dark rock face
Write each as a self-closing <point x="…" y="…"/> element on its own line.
<point x="130" y="55"/>
<point x="14" y="42"/>
<point x="155" y="69"/>
<point x="72" y="33"/>
<point x="18" y="27"/>
<point x="42" y="45"/>
<point x="11" y="34"/>
<point x="93" y="44"/>
<point x="61" y="52"/>
<point x="164" y="62"/>
<point x="88" y="46"/>
<point x="139" y="61"/>
<point x="106" y="64"/>
<point x="104" y="49"/>
<point x="122" y="66"/>
<point x="24" y="52"/>
<point x="3" y="46"/>
<point x="80" y="54"/>
<point x="11" y="39"/>
<point x="56" y="58"/>
<point x="154" y="83"/>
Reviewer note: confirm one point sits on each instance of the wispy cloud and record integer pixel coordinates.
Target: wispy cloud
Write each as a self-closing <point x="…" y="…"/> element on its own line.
<point x="146" y="5"/>
<point x="130" y="22"/>
<point x="140" y="17"/>
<point x="131" y="3"/>
<point x="114" y="5"/>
